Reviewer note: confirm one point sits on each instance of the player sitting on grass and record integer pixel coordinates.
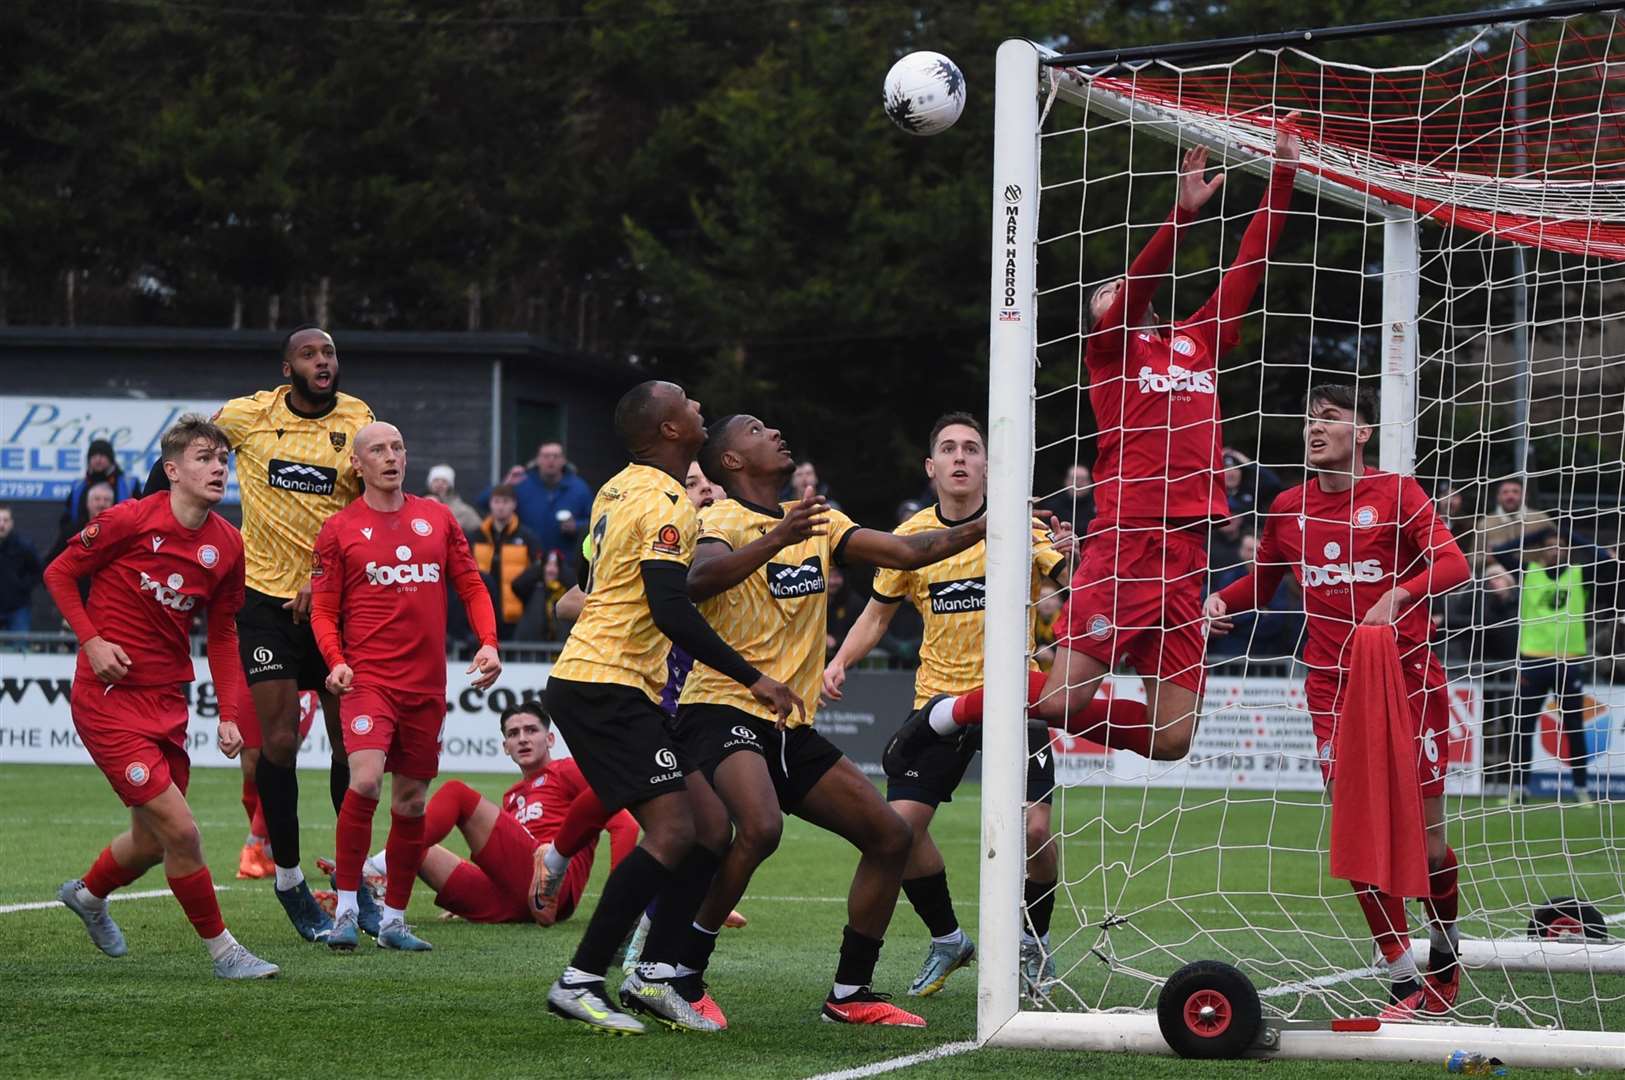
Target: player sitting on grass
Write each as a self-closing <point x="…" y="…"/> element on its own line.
<point x="1369" y="549"/>
<point x="152" y="563"/>
<point x="1159" y="482"/>
<point x="382" y="566"/>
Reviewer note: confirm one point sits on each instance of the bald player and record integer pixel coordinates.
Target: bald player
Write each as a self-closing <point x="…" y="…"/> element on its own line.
<point x="381" y="568"/>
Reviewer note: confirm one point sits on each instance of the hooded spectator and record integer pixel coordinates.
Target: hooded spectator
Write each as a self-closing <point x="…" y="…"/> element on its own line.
<point x="19" y="573"/>
<point x="101" y="467"/>
<point x="443" y="490"/>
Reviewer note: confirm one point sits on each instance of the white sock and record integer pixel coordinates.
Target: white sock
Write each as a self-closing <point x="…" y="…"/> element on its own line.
<point x="954" y="938"/>
<point x="574" y="976"/>
<point x="555" y="863"/>
<point x="1403" y="968"/>
<point x="348" y="904"/>
<point x="90" y="899"/>
<point x="393" y="914"/>
<point x="380" y="865"/>
<point x="942" y="717"/>
<point x="843" y="990"/>
<point x="220" y="945"/>
<point x="289" y="877"/>
<point x="255" y="841"/>
<point x="657" y="972"/>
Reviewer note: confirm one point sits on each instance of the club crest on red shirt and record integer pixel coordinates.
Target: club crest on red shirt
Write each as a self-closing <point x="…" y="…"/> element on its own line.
<point x="88" y="534"/>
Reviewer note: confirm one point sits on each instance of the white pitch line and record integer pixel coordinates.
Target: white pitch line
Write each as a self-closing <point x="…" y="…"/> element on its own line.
<point x="148" y="894"/>
<point x="1304" y="986"/>
<point x="907" y="1060"/>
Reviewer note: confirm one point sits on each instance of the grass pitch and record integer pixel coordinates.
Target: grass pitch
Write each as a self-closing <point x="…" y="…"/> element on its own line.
<point x="473" y="1007"/>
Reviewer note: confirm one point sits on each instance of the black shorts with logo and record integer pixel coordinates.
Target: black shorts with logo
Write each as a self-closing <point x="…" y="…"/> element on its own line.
<point x="274" y="647"/>
<point x="797" y="758"/>
<point x="932" y="776"/>
<point x="618" y="738"/>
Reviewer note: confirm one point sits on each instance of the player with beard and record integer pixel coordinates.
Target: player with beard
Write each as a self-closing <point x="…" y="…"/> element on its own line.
<point x="293" y="448"/>
<point x="1369" y="550"/>
<point x="604" y="692"/>
<point x="949" y="598"/>
<point x="760" y="576"/>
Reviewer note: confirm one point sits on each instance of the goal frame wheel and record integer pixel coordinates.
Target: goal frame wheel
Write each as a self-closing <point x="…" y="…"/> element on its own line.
<point x="1208" y="1009"/>
<point x="1567" y="916"/>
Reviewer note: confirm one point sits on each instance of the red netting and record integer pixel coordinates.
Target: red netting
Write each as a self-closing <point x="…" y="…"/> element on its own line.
<point x="1446" y="138"/>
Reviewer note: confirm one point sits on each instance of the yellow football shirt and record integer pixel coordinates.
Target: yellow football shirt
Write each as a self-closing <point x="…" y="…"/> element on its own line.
<point x="294" y="473"/>
<point x="775" y="618"/>
<point x="950" y="597"/>
<point x="641" y="515"/>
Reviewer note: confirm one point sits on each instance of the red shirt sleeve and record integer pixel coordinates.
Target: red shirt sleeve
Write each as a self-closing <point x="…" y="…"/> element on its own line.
<point x="1446" y="567"/>
<point x="96" y="545"/>
<point x="1106" y="340"/>
<point x="326" y="592"/>
<point x="225" y="662"/>
<point x="1269" y="567"/>
<point x="1218" y="322"/>
<point x="465" y="576"/>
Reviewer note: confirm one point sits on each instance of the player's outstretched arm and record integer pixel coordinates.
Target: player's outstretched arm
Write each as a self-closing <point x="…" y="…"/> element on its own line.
<point x="892" y="552"/>
<point x="860" y="642"/>
<point x="717" y="567"/>
<point x="93" y="548"/>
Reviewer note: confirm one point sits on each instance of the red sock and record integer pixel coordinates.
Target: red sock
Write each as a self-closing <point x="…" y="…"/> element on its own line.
<point x="256" y="825"/>
<point x="581" y="824"/>
<point x="1442" y="902"/>
<point x="1385" y="915"/>
<point x="450" y="806"/>
<point x="403" y="854"/>
<point x="1115" y="722"/>
<point x="968" y="706"/>
<point x="251" y="804"/>
<point x="105" y="874"/>
<point x="351" y="839"/>
<point x="195" y="892"/>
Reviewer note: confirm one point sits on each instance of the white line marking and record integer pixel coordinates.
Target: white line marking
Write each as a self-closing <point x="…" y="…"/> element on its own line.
<point x="1305" y="986"/>
<point x="41" y="905"/>
<point x="943" y="1051"/>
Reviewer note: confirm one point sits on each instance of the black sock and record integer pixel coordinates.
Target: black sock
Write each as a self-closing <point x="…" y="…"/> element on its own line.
<point x="679" y="901"/>
<point x="1040" y="905"/>
<point x="859" y="954"/>
<point x="696" y="949"/>
<point x="626" y="893"/>
<point x="338" y="780"/>
<point x="279" y="801"/>
<point x="932" y="903"/>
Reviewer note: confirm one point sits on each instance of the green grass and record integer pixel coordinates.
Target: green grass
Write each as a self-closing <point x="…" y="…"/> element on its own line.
<point x="473" y="1007"/>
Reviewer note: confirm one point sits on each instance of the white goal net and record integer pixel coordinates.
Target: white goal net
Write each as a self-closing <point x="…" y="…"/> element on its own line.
<point x="1456" y="244"/>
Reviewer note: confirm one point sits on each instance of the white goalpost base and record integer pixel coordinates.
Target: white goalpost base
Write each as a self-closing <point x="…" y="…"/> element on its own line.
<point x="1520" y="954"/>
<point x="1137" y="1033"/>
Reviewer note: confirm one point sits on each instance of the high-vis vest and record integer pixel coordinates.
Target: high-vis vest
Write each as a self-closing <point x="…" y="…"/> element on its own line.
<point x="1552" y="613"/>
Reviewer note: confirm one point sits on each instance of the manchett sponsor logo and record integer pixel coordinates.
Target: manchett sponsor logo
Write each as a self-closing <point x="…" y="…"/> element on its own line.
<point x="299" y="477"/>
<point x="789" y="582"/>
<point x="952" y="597"/>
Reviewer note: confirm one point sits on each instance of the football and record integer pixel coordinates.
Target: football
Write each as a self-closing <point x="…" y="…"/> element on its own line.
<point x="924" y="93"/>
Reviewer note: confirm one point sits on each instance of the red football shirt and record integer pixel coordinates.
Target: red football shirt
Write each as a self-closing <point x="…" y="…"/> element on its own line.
<point x="1155" y="390"/>
<point x="149" y="577"/>
<point x="1348" y="549"/>
<point x="389" y="572"/>
<point x="539" y="803"/>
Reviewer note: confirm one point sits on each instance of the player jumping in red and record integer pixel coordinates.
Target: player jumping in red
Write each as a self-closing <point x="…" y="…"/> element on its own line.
<point x="152" y="563"/>
<point x="496" y="883"/>
<point x="1159" y="481"/>
<point x="381" y="565"/>
<point x="1368" y="549"/>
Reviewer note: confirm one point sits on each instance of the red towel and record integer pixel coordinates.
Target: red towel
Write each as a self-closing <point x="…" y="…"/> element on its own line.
<point x="1378" y="835"/>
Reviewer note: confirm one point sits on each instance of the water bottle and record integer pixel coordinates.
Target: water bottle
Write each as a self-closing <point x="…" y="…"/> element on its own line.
<point x="1471" y="1063"/>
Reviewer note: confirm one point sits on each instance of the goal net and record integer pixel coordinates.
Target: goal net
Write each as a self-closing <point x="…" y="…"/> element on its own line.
<point x="1456" y="243"/>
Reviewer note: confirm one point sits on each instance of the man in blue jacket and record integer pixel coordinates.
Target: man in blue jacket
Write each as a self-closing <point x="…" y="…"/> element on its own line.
<point x="554" y="503"/>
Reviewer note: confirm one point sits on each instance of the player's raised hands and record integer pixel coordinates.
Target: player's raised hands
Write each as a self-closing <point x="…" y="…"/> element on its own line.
<point x="1217" y="614"/>
<point x="108" y="661"/>
<point x="340" y="679"/>
<point x="488" y="664"/>
<point x="805" y="519"/>
<point x="1194" y="192"/>
<point x="229" y="739"/>
<point x="778" y="697"/>
<point x="1287" y="147"/>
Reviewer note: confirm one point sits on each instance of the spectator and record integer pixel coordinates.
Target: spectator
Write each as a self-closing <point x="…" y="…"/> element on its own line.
<point x="1249" y="487"/>
<point x="505" y="551"/>
<point x="806" y="476"/>
<point x="101" y="467"/>
<point x="1512" y="522"/>
<point x="1271" y="633"/>
<point x="908" y="508"/>
<point x="554" y="503"/>
<point x="443" y="490"/>
<point x="19" y="573"/>
<point x="1554" y="642"/>
<point x="1074" y="503"/>
<point x="841" y="611"/>
<point x="99" y="498"/>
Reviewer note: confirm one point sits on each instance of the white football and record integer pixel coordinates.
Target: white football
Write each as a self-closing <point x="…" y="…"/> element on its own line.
<point x="924" y="93"/>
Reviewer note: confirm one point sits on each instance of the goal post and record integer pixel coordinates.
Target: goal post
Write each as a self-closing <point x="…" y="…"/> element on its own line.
<point x="1413" y="180"/>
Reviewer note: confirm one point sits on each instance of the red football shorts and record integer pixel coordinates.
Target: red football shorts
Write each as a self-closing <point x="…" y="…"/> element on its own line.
<point x="495" y="886"/>
<point x="1137" y="595"/>
<point x="1429" y="697"/>
<point x="406" y="727"/>
<point x="248" y="721"/>
<point x="136" y="735"/>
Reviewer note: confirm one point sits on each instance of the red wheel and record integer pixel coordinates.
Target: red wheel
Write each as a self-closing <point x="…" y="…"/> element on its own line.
<point x="1209" y="1010"/>
<point x="1566" y="918"/>
<point x="1207" y="1013"/>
